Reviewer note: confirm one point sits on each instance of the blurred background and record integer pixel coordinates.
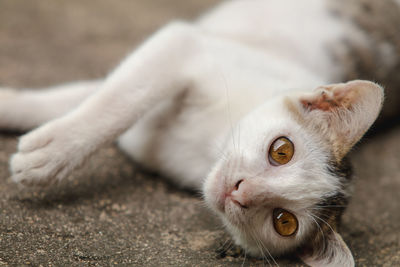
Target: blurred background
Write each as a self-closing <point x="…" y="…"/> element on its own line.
<point x="78" y="39"/>
<point x="112" y="213"/>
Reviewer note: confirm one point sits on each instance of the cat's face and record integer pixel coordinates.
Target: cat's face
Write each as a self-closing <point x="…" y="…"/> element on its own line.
<point x="280" y="170"/>
<point x="248" y="185"/>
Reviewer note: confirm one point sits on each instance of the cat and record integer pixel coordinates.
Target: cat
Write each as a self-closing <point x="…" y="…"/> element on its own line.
<point x="247" y="104"/>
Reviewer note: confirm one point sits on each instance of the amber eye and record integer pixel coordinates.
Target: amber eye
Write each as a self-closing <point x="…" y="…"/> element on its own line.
<point x="285" y="223"/>
<point x="281" y="151"/>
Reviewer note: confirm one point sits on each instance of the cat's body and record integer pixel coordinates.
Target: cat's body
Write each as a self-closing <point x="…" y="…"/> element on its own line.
<point x="207" y="100"/>
<point x="214" y="105"/>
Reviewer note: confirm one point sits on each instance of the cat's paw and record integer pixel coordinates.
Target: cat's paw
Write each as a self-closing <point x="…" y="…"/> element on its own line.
<point x="46" y="155"/>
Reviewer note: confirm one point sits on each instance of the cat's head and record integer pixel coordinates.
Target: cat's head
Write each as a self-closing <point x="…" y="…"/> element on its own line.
<point x="283" y="181"/>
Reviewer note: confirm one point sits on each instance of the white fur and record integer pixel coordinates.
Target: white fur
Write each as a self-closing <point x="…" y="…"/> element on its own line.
<point x="185" y="104"/>
<point x="295" y="186"/>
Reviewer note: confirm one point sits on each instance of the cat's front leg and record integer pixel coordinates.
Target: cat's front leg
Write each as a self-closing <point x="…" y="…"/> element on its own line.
<point x="160" y="69"/>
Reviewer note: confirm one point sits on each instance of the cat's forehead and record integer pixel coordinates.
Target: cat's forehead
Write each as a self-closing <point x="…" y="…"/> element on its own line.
<point x="269" y="121"/>
<point x="274" y="113"/>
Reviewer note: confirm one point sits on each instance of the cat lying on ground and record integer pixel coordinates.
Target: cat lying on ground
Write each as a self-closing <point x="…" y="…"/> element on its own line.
<point x="245" y="104"/>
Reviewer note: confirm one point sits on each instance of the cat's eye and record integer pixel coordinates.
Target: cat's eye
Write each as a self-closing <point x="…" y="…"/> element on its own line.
<point x="281" y="151"/>
<point x="285" y="223"/>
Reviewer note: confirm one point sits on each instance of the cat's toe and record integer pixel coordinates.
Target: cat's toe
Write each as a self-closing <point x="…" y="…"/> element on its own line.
<point x="32" y="177"/>
<point x="36" y="167"/>
<point x="44" y="156"/>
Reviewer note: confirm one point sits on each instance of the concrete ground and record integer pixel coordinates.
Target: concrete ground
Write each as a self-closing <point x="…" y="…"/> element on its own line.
<point x="111" y="213"/>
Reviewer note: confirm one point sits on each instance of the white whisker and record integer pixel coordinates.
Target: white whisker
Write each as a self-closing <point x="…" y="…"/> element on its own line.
<point x="330" y="206"/>
<point x="330" y="227"/>
<point x="320" y="229"/>
<point x="260" y="247"/>
<point x="244" y="260"/>
<point x="269" y="253"/>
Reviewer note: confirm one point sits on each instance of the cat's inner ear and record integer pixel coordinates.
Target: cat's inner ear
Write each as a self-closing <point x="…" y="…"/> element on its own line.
<point x="340" y="113"/>
<point x="330" y="250"/>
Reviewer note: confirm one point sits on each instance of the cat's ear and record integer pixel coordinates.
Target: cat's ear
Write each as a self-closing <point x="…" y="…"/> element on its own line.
<point x="331" y="251"/>
<point x="340" y="113"/>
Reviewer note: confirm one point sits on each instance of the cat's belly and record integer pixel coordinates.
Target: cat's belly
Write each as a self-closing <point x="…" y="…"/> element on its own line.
<point x="178" y="141"/>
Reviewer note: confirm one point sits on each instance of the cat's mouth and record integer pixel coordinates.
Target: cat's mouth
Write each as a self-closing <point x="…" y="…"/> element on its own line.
<point x="229" y="199"/>
<point x="228" y="196"/>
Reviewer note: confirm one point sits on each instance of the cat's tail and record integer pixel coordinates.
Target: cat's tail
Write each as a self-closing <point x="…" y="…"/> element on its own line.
<point x="22" y="110"/>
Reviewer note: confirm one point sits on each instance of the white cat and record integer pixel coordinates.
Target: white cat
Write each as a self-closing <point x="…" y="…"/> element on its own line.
<point x="236" y="104"/>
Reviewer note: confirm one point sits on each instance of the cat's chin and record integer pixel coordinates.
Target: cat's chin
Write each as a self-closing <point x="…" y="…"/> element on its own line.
<point x="254" y="245"/>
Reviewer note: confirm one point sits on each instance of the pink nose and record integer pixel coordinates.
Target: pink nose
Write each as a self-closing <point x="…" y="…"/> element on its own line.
<point x="240" y="195"/>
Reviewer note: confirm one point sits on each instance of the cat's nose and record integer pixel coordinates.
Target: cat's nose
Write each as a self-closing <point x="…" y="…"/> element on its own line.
<point x="240" y="195"/>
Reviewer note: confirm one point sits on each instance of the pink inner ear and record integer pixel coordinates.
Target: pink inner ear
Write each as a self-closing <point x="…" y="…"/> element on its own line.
<point x="329" y="97"/>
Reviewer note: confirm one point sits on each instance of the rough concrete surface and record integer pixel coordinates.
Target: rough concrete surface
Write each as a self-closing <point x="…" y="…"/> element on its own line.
<point x="110" y="212"/>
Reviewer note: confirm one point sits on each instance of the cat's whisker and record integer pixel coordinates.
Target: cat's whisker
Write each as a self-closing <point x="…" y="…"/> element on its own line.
<point x="329" y="206"/>
<point x="322" y="216"/>
<point x="237" y="165"/>
<point x="202" y="204"/>
<point x="334" y="206"/>
<point x="273" y="259"/>
<point x="244" y="260"/>
<point x="228" y="105"/>
<point x="219" y="149"/>
<point x="264" y="257"/>
<point x="330" y="227"/>
<point x="225" y="246"/>
<point x="320" y="229"/>
<point x="333" y="231"/>
<point x="262" y="248"/>
<point x="239" y="138"/>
